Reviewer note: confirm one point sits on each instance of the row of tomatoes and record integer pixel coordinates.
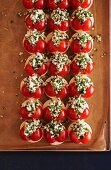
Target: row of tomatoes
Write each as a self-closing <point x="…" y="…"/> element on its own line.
<point x="53" y="4"/>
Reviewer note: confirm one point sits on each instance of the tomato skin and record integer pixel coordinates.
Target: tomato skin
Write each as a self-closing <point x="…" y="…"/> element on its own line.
<point x="62" y="136"/>
<point x="40" y="46"/>
<point x="76" y="69"/>
<point x="52" y="5"/>
<point x="26" y="138"/>
<point x="49" y="90"/>
<point x="37" y="135"/>
<point x="53" y="70"/>
<point x="41" y="71"/>
<point x="40" y="26"/>
<point x="37" y="95"/>
<point x="76" y="48"/>
<point x="86" y="26"/>
<point x="48" y="115"/>
<point x="74" y="92"/>
<point x="75" y="4"/>
<point x="87" y="138"/>
<point x="63" y="27"/>
<point x="28" y="4"/>
<point x="73" y="137"/>
<point x="71" y="114"/>
<point x="63" y="46"/>
<point x="48" y="137"/>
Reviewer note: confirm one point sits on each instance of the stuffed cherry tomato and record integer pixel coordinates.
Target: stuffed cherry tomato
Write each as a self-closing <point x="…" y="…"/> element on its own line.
<point x="82" y="20"/>
<point x="36" y="20"/>
<point x="31" y="109"/>
<point x="54" y="109"/>
<point x="59" y="20"/>
<point x="77" y="108"/>
<point x="55" y="133"/>
<point x="36" y="4"/>
<point x="34" y="41"/>
<point x="59" y="65"/>
<point x="82" y="63"/>
<point x="80" y="132"/>
<point x="31" y="131"/>
<point x="57" y="42"/>
<point x="56" y="86"/>
<point x="81" y="85"/>
<point x="32" y="86"/>
<point x="81" y="43"/>
<point x="86" y="4"/>
<point x="36" y="63"/>
<point x="54" y="4"/>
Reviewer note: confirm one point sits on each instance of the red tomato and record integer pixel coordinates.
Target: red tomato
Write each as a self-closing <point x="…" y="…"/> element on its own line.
<point x="62" y="136"/>
<point x="48" y="114"/>
<point x="49" y="90"/>
<point x="62" y="5"/>
<point x="74" y="92"/>
<point x="63" y="46"/>
<point x="63" y="27"/>
<point x="53" y="70"/>
<point x="36" y="115"/>
<point x="41" y="71"/>
<point x="73" y="137"/>
<point x="86" y="26"/>
<point x="26" y="138"/>
<point x="76" y="3"/>
<point x="37" y="135"/>
<point x="73" y="115"/>
<point x="48" y="137"/>
<point x="76" y="69"/>
<point x="28" y="4"/>
<point x="40" y="26"/>
<point x="39" y="92"/>
<point x="87" y="138"/>
<point x="40" y="46"/>
<point x="76" y="47"/>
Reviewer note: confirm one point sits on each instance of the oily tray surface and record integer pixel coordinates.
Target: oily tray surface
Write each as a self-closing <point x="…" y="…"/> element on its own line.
<point x="12" y="31"/>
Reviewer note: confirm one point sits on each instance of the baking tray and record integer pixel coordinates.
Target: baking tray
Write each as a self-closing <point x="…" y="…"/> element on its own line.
<point x="12" y="30"/>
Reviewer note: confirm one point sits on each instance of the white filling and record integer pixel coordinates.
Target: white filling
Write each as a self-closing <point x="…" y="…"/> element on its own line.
<point x="60" y="60"/>
<point x="37" y="15"/>
<point x="59" y="16"/>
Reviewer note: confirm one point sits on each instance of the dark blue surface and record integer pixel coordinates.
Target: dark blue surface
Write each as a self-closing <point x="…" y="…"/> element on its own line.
<point x="55" y="161"/>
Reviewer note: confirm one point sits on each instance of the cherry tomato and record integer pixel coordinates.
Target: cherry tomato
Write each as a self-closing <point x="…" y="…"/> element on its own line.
<point x="48" y="114"/>
<point x="39" y="92"/>
<point x="86" y="26"/>
<point x="76" y="47"/>
<point x="85" y="4"/>
<point x="39" y="26"/>
<point x="22" y="135"/>
<point x="36" y="115"/>
<point x="39" y="4"/>
<point x="53" y="70"/>
<point x="74" y="116"/>
<point x="63" y="46"/>
<point x="62" y="136"/>
<point x="87" y="138"/>
<point x="73" y="137"/>
<point x="52" y="5"/>
<point x="74" y="92"/>
<point x="49" y="138"/>
<point x="37" y="135"/>
<point x="41" y="71"/>
<point x="40" y="46"/>
<point x="49" y="90"/>
<point x="63" y="27"/>
<point x="76" y="69"/>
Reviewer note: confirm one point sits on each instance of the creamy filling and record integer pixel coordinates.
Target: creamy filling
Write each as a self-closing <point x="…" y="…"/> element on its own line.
<point x="55" y="107"/>
<point x="58" y="1"/>
<point x="83" y="38"/>
<point x="58" y="36"/>
<point x="54" y="128"/>
<point x="82" y="82"/>
<point x="37" y="15"/>
<point x="33" y="82"/>
<point x="59" y="16"/>
<point x="78" y="104"/>
<point x="33" y="36"/>
<point x="60" y="60"/>
<point x="31" y="127"/>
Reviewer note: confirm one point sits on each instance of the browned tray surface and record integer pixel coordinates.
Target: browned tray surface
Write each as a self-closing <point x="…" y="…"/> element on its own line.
<point x="12" y="31"/>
